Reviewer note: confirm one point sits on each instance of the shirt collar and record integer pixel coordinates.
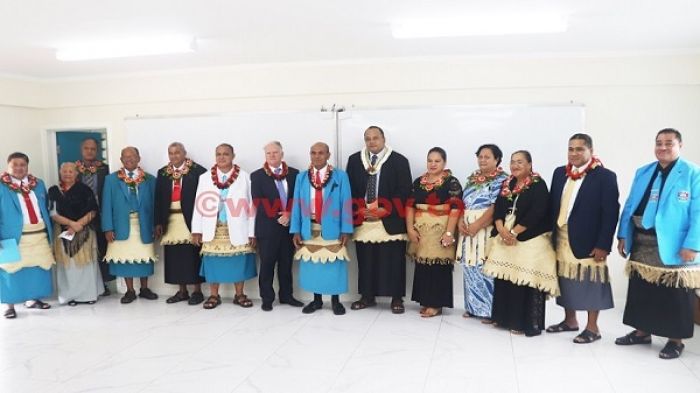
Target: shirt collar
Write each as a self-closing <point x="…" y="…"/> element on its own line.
<point x="25" y="180"/>
<point x="669" y="167"/>
<point x="321" y="171"/>
<point x="221" y="174"/>
<point x="580" y="168"/>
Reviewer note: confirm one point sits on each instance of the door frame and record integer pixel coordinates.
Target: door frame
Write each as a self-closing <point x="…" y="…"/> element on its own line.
<point x="49" y="142"/>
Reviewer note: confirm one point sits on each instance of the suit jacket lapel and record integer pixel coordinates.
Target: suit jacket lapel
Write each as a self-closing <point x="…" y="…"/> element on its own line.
<point x="124" y="188"/>
<point x="673" y="177"/>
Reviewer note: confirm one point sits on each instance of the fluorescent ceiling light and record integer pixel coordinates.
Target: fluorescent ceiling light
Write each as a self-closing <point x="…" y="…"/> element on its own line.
<point x="479" y="25"/>
<point x="130" y="47"/>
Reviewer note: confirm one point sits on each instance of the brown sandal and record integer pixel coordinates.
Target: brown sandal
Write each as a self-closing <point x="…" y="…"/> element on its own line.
<point x="432" y="312"/>
<point x="243" y="301"/>
<point x="212" y="302"/>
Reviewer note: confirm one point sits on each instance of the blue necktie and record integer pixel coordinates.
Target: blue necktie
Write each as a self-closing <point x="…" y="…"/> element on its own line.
<point x="222" y="206"/>
<point x="281" y="191"/>
<point x="133" y="198"/>
<point x="649" y="217"/>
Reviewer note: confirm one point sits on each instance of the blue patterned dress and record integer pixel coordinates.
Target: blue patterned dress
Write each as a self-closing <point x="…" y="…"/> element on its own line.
<point x="478" y="288"/>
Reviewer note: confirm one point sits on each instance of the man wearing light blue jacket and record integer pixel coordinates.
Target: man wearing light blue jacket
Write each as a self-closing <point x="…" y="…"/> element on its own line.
<point x="26" y="232"/>
<point x="321" y="223"/>
<point x="127" y="220"/>
<point x="660" y="231"/>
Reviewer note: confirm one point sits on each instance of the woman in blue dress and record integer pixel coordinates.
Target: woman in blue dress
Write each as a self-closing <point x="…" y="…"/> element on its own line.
<point x="480" y="193"/>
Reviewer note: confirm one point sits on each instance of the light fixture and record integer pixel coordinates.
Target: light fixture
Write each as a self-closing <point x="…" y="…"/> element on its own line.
<point x="129" y="47"/>
<point x="479" y="25"/>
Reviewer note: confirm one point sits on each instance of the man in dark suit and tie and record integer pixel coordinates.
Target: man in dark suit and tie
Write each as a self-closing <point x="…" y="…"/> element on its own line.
<point x="272" y="188"/>
<point x="584" y="201"/>
<point x="92" y="173"/>
<point x="380" y="179"/>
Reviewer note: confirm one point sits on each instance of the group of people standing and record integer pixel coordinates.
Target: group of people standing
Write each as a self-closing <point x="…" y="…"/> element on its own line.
<point x="518" y="242"/>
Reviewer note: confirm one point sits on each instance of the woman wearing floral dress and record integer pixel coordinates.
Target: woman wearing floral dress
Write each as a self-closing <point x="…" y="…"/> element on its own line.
<point x="480" y="193"/>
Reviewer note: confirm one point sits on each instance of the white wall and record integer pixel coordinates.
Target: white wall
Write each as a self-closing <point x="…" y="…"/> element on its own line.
<point x="627" y="99"/>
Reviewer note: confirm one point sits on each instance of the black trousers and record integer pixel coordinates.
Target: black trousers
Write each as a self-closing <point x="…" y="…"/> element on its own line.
<point x="381" y="269"/>
<point x="275" y="252"/>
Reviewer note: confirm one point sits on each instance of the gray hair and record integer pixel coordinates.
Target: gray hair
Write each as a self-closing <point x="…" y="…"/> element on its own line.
<point x="178" y="145"/>
<point x="68" y="164"/>
<point x="273" y="143"/>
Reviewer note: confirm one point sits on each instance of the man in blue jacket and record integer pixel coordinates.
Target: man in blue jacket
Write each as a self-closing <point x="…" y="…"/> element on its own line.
<point x="321" y="223"/>
<point x="660" y="231"/>
<point x="127" y="220"/>
<point x="584" y="199"/>
<point x="25" y="224"/>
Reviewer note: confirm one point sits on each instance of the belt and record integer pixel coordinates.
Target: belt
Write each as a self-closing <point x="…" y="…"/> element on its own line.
<point x="175" y="210"/>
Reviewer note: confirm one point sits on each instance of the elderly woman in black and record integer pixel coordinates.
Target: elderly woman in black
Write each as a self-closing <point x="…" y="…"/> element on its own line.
<point x="520" y="255"/>
<point x="74" y="206"/>
<point x="432" y="213"/>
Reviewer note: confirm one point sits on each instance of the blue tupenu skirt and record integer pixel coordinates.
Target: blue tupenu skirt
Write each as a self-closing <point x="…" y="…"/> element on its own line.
<point x="131" y="269"/>
<point x="28" y="283"/>
<point x="228" y="269"/>
<point x="330" y="278"/>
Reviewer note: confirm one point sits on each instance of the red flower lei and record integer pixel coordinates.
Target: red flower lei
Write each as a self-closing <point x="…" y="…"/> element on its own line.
<point x="89" y="170"/>
<point x="325" y="179"/>
<point x="177" y="174"/>
<point x="277" y="177"/>
<point x="23" y="188"/>
<point x="478" y="179"/>
<point x="132" y="183"/>
<point x="595" y="162"/>
<point x="427" y="186"/>
<point x="229" y="181"/>
<point x="506" y="192"/>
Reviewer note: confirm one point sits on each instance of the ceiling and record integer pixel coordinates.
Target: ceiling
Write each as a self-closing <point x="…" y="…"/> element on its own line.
<point x="233" y="32"/>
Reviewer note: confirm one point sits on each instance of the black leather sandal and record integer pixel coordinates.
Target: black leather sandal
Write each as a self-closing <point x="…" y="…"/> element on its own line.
<point x="672" y="350"/>
<point x="633" y="339"/>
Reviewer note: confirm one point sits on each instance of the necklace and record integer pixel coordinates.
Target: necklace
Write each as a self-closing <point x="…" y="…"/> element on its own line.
<point x="229" y="181"/>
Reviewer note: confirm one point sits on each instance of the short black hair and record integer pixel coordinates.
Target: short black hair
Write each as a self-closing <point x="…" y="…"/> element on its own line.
<point x="227" y="145"/>
<point x="376" y="128"/>
<point x="587" y="140"/>
<point x="673" y="131"/>
<point x="526" y="153"/>
<point x="440" y="151"/>
<point x="495" y="150"/>
<point x="18" y="155"/>
<point x="90" y="139"/>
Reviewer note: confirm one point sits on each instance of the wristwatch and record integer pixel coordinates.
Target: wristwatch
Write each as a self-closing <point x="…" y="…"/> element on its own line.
<point x="448" y="233"/>
<point x="512" y="232"/>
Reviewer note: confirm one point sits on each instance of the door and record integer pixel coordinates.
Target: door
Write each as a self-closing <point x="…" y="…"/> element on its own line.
<point x="68" y="144"/>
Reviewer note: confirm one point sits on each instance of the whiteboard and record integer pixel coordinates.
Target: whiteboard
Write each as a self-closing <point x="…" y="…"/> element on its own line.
<point x="460" y="130"/>
<point x="246" y="132"/>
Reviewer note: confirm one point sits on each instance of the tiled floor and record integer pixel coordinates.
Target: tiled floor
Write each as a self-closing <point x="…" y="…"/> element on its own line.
<point x="151" y="347"/>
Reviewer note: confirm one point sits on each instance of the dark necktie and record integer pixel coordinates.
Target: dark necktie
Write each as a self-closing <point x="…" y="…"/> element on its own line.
<point x="372" y="182"/>
<point x="133" y="198"/>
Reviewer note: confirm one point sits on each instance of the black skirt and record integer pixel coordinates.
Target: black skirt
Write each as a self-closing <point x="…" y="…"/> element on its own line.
<point x="517" y="307"/>
<point x="182" y="263"/>
<point x="381" y="268"/>
<point x="659" y="310"/>
<point x="432" y="285"/>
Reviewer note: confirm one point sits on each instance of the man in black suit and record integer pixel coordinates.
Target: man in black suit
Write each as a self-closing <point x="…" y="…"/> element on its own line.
<point x="585" y="207"/>
<point x="380" y="180"/>
<point x="176" y="188"/>
<point x="272" y="188"/>
<point x="92" y="173"/>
